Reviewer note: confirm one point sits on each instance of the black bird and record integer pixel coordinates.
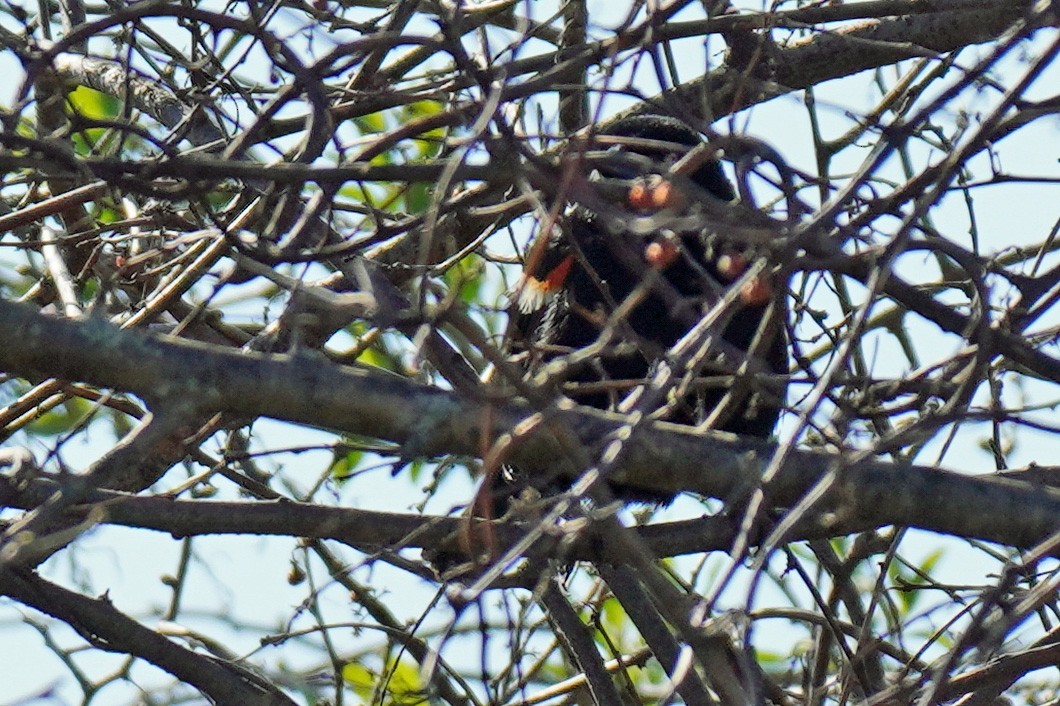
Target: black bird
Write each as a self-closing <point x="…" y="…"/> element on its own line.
<point x="592" y="276"/>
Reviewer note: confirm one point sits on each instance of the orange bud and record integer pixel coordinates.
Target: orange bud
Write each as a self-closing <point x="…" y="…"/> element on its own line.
<point x="654" y="194"/>
<point x="660" y="254"/>
<point x="731" y="265"/>
<point x="756" y="291"/>
<point x="639" y="196"/>
<point x="665" y="194"/>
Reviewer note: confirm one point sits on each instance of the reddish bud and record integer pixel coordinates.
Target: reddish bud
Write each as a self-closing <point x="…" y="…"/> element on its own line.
<point x="654" y="194"/>
<point x="665" y="194"/>
<point x="660" y="254"/>
<point x="639" y="196"/>
<point x="756" y="291"/>
<point x="731" y="265"/>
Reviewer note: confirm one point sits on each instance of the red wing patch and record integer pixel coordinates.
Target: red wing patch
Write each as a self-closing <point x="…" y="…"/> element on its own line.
<point x="535" y="293"/>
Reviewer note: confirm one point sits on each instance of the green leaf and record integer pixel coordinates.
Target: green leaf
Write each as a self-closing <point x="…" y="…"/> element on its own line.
<point x="429" y="145"/>
<point x="371" y="124"/>
<point x="467" y="277"/>
<point x="403" y="686"/>
<point x="344" y="465"/>
<point x="91" y="104"/>
<point x="909" y="580"/>
<point x="415" y="470"/>
<point x="61" y="419"/>
<point x="417" y="198"/>
<point x="359" y="678"/>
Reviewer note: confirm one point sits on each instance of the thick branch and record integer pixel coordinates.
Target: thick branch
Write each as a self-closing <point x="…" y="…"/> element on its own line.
<point x="661" y="458"/>
<point x="367" y="530"/>
<point x="99" y="622"/>
<point x="944" y="26"/>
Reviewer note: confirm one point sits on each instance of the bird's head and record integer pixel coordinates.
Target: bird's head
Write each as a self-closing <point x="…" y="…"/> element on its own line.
<point x="662" y="140"/>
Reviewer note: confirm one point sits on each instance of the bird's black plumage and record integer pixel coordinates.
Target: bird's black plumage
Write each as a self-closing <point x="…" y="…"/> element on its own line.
<point x="605" y="262"/>
<point x="601" y="256"/>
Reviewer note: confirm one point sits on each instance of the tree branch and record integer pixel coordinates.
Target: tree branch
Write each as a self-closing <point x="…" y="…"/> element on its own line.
<point x="661" y="458"/>
<point x="105" y="627"/>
